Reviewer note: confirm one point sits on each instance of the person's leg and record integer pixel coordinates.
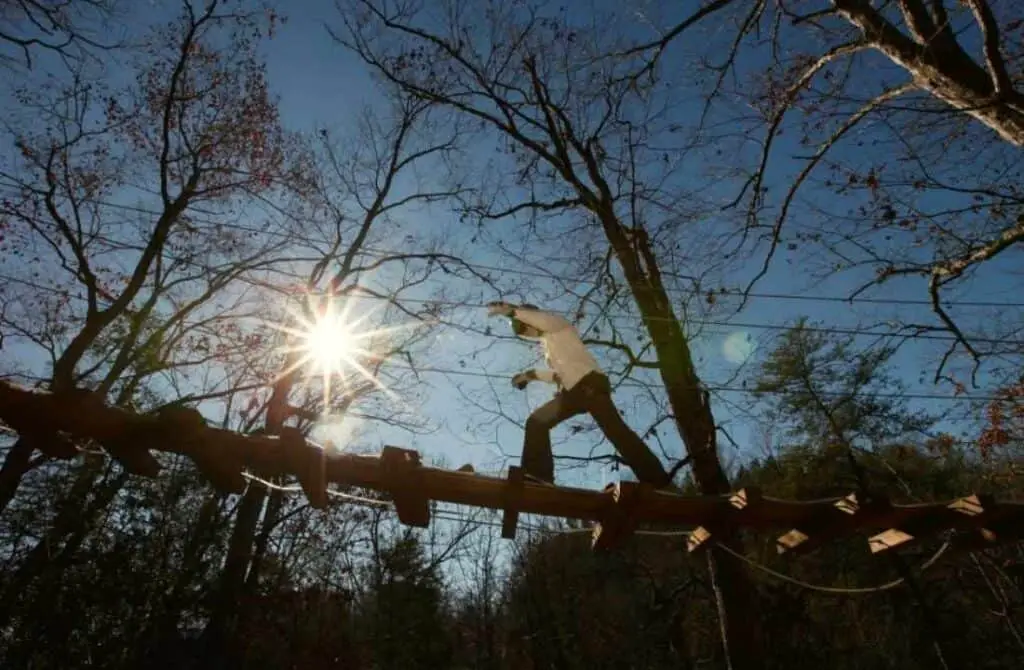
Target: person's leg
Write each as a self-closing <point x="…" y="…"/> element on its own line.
<point x="633" y="450"/>
<point x="538" y="460"/>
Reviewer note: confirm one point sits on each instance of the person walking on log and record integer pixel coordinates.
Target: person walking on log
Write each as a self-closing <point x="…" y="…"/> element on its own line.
<point x="582" y="388"/>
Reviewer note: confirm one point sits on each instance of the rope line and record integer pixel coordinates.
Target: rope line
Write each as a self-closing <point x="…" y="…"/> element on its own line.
<point x="838" y="590"/>
<point x="455" y="517"/>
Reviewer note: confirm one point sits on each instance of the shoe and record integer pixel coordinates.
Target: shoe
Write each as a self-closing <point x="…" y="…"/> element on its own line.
<point x="467" y="468"/>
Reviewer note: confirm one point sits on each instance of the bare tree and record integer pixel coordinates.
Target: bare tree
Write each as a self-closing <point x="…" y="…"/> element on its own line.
<point x="357" y="200"/>
<point x="578" y="135"/>
<point x="134" y="282"/>
<point x="142" y="298"/>
<point x="72" y="30"/>
<point x="898" y="128"/>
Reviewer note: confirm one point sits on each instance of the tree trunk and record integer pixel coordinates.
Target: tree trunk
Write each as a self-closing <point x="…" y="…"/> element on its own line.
<point x="737" y="598"/>
<point x="270" y="521"/>
<point x="16" y="465"/>
<point x="236" y="567"/>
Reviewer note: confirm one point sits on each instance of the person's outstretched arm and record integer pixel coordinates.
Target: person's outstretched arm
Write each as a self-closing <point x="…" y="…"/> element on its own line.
<point x="546" y="322"/>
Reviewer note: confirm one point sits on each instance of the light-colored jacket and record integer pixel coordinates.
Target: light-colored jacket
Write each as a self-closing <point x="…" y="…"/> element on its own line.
<point x="564" y="351"/>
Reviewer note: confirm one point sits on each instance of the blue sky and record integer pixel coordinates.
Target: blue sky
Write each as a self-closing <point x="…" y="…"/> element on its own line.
<point x="318" y="82"/>
<point x="320" y="85"/>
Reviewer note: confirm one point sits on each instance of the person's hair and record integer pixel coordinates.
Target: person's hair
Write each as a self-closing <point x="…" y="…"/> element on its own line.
<point x="518" y="327"/>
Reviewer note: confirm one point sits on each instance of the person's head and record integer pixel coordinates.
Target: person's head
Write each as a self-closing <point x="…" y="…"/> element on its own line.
<point x="522" y="329"/>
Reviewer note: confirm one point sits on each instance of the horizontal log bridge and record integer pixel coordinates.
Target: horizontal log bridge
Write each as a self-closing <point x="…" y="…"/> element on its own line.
<point x="222" y="455"/>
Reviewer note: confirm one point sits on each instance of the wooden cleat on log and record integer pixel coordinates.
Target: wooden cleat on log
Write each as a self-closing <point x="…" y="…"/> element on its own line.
<point x="308" y="462"/>
<point x="131" y="446"/>
<point x="184" y="421"/>
<point x="223" y="476"/>
<point x="742" y="505"/>
<point x="54" y="445"/>
<point x="402" y="473"/>
<point x="1001" y="522"/>
<point x="619" y="521"/>
<point x="133" y="457"/>
<point x="185" y="427"/>
<point x="513" y="494"/>
<point x="824" y="523"/>
<point x="698" y="540"/>
<point x="924" y="521"/>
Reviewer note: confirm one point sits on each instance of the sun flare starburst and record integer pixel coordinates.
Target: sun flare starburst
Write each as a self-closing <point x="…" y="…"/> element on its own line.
<point x="326" y="341"/>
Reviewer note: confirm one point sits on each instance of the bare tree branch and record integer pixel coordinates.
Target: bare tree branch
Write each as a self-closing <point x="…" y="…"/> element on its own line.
<point x="1001" y="83"/>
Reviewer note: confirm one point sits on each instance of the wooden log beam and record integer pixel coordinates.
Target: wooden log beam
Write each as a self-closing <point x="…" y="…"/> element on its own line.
<point x="185" y="426"/>
<point x="308" y="462"/>
<point x="413" y="485"/>
<point x="54" y="445"/>
<point x="998" y="523"/>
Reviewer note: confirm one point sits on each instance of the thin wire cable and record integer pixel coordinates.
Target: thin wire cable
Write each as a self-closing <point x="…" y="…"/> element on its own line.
<point x="373" y="251"/>
<point x="334" y="494"/>
<point x="455" y="517"/>
<point x="664" y="533"/>
<point x="855" y="332"/>
<point x="359" y="499"/>
<point x="737" y="389"/>
<point x="629" y="383"/>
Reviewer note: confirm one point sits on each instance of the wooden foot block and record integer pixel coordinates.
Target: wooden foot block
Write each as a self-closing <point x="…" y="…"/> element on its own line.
<point x="742" y="503"/>
<point x="401" y="470"/>
<point x="307" y="461"/>
<point x="619" y="521"/>
<point x="513" y="493"/>
<point x="825" y="522"/>
<point x="926" y="521"/>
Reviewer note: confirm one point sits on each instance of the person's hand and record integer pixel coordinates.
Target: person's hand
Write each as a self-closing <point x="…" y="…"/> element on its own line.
<point x="500" y="308"/>
<point x="522" y="379"/>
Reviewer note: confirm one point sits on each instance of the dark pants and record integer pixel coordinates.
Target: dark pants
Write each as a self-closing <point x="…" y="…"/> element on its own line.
<point x="592" y="395"/>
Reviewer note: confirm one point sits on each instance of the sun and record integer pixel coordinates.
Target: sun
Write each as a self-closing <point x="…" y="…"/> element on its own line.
<point x="329" y="343"/>
<point x="326" y="340"/>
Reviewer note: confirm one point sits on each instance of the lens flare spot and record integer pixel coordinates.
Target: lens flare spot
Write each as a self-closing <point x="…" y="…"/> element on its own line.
<point x="738" y="347"/>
